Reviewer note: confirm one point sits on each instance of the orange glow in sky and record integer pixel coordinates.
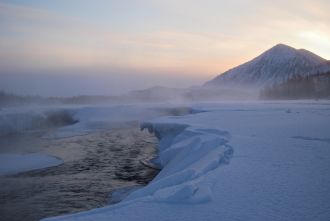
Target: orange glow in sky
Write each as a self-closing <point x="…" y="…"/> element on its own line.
<point x="195" y="38"/>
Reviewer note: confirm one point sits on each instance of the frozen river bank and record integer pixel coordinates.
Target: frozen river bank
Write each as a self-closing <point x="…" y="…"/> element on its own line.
<point x="235" y="161"/>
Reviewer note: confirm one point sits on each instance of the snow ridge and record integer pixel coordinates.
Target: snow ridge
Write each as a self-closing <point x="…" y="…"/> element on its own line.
<point x="187" y="156"/>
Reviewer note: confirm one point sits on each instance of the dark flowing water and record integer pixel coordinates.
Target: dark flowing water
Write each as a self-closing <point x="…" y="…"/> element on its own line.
<point x="94" y="165"/>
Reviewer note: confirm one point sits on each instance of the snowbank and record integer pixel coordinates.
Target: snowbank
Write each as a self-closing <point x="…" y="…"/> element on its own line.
<point x="15" y="163"/>
<point x="187" y="155"/>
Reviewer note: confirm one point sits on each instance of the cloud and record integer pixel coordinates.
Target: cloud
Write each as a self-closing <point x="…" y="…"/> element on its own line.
<point x="40" y="39"/>
<point x="195" y="38"/>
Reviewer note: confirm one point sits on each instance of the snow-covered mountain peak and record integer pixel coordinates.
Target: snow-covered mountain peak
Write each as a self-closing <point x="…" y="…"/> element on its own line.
<point x="278" y="53"/>
<point x="276" y="65"/>
<point x="281" y="49"/>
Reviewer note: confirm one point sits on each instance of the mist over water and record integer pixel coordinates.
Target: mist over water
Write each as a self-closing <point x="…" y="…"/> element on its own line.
<point x="94" y="166"/>
<point x="68" y="83"/>
<point x="80" y="79"/>
<point x="101" y="146"/>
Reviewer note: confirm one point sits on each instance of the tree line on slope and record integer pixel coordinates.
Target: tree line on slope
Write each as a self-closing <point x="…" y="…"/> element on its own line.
<point x="310" y="87"/>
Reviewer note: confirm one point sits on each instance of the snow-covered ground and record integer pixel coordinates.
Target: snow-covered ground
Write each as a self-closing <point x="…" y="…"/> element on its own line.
<point x="16" y="163"/>
<point x="248" y="161"/>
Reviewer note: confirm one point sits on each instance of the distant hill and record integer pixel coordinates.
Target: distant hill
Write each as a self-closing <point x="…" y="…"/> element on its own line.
<point x="275" y="66"/>
<point x="9" y="99"/>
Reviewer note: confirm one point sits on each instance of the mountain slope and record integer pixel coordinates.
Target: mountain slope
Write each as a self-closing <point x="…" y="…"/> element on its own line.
<point x="316" y="86"/>
<point x="276" y="65"/>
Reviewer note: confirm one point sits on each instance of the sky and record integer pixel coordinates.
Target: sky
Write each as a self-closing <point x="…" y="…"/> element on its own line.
<point x="74" y="47"/>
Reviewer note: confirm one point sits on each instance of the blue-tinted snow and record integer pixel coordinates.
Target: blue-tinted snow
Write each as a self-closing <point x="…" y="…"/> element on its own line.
<point x="235" y="165"/>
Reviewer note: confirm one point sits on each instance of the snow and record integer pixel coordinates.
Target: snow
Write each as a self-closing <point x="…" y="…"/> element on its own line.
<point x="16" y="163"/>
<point x="121" y="193"/>
<point x="236" y="161"/>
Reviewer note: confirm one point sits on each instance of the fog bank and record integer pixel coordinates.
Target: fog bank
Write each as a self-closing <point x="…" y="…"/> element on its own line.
<point x="74" y="83"/>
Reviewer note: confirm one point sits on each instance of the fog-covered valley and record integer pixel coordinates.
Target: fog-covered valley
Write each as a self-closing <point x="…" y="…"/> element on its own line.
<point x="164" y="110"/>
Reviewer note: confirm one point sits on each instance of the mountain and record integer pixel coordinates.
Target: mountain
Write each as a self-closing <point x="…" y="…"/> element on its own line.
<point x="274" y="66"/>
<point x="282" y="66"/>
